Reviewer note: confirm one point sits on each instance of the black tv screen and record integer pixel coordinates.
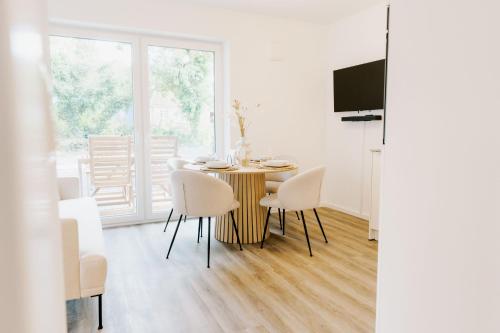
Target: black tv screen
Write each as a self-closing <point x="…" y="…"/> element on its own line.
<point x="359" y="87"/>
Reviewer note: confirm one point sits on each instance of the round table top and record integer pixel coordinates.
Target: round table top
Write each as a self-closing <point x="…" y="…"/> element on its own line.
<point x="238" y="169"/>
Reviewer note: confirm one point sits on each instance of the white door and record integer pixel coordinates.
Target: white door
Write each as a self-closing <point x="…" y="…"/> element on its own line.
<point x="163" y="95"/>
<point x="181" y="102"/>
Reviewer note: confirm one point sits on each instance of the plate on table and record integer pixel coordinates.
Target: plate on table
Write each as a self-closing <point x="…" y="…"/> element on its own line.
<point x="229" y="168"/>
<point x="203" y="159"/>
<point x="262" y="158"/>
<point x="217" y="165"/>
<point x="276" y="163"/>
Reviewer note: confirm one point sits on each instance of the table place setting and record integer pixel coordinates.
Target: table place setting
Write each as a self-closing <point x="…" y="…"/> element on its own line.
<point x="218" y="165"/>
<point x="202" y="160"/>
<point x="221" y="166"/>
<point x="209" y="163"/>
<point x="275" y="163"/>
<point x="260" y="159"/>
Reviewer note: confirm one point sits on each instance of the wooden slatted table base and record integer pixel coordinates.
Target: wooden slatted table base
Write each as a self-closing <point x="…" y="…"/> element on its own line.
<point x="248" y="188"/>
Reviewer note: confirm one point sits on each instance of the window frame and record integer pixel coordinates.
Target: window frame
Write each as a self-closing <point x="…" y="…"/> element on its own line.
<point x="139" y="41"/>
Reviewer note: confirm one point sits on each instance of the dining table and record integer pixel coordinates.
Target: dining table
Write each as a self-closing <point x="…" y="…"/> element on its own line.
<point x="249" y="186"/>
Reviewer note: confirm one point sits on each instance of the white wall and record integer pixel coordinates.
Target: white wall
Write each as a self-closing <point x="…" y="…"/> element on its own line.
<point x="291" y="91"/>
<point x="31" y="270"/>
<point x="351" y="41"/>
<point x="439" y="267"/>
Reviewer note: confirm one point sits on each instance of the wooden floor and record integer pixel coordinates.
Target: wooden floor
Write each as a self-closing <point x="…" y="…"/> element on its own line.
<point x="276" y="289"/>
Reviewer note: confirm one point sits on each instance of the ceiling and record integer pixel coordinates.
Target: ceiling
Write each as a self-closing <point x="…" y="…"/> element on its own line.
<point x="317" y="11"/>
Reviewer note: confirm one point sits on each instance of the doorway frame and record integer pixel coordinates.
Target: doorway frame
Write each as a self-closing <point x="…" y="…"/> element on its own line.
<point x="139" y="41"/>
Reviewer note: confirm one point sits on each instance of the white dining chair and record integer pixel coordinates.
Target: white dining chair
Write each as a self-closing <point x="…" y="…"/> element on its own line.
<point x="176" y="164"/>
<point x="275" y="179"/>
<point x="299" y="193"/>
<point x="197" y="194"/>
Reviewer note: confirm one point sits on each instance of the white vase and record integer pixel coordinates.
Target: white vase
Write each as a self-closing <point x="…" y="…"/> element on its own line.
<point x="243" y="151"/>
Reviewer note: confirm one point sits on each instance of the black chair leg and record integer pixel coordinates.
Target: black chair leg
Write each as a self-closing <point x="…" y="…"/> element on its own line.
<point x="199" y="227"/>
<point x="99" y="300"/>
<point x="168" y="220"/>
<point x="265" y="227"/>
<point x="100" y="313"/>
<point x="297" y="213"/>
<point x="236" y="230"/>
<point x="185" y="218"/>
<point x="320" y="226"/>
<point x="305" y="230"/>
<point x="175" y="234"/>
<point x="284" y="214"/>
<point x="279" y="216"/>
<point x="208" y="252"/>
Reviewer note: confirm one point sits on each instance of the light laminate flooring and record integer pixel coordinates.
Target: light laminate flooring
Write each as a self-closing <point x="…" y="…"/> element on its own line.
<point x="275" y="289"/>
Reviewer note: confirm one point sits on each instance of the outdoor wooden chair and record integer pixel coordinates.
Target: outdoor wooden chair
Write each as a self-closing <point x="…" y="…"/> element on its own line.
<point x="111" y="167"/>
<point x="163" y="148"/>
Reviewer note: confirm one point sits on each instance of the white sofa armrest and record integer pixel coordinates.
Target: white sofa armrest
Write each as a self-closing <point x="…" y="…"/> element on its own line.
<point x="69" y="187"/>
<point x="71" y="257"/>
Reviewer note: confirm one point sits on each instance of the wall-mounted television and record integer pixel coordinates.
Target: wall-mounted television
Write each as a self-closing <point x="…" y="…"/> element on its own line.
<point x="359" y="87"/>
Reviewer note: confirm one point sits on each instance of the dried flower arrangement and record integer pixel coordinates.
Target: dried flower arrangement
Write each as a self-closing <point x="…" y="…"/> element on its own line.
<point x="239" y="111"/>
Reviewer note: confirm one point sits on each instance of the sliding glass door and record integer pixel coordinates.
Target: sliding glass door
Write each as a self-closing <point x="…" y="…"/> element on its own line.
<point x="94" y="119"/>
<point x="124" y="106"/>
<point x="181" y="109"/>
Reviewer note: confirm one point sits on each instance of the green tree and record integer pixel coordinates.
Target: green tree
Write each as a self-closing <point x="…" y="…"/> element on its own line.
<point x="186" y="77"/>
<point x="92" y="92"/>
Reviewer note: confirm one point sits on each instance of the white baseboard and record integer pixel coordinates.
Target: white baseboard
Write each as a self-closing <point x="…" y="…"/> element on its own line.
<point x="372" y="234"/>
<point x="344" y="210"/>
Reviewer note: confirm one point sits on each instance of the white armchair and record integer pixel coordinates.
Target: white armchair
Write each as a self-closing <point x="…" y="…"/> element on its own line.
<point x="197" y="194"/>
<point x="85" y="264"/>
<point x="274" y="181"/>
<point x="176" y="164"/>
<point x="298" y="193"/>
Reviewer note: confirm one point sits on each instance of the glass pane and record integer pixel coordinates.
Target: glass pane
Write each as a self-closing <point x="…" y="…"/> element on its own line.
<point x="93" y="100"/>
<point x="181" y="106"/>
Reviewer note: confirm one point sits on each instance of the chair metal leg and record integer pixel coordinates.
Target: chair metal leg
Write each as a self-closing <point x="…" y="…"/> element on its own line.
<point x="199" y="227"/>
<point x="265" y="227"/>
<point x="236" y="230"/>
<point x="320" y="226"/>
<point x="185" y="218"/>
<point x="100" y="313"/>
<point x="168" y="220"/>
<point x="175" y="234"/>
<point x="279" y="216"/>
<point x="284" y="214"/>
<point x="305" y="230"/>
<point x="297" y="213"/>
<point x="208" y="252"/>
<point x="99" y="299"/>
